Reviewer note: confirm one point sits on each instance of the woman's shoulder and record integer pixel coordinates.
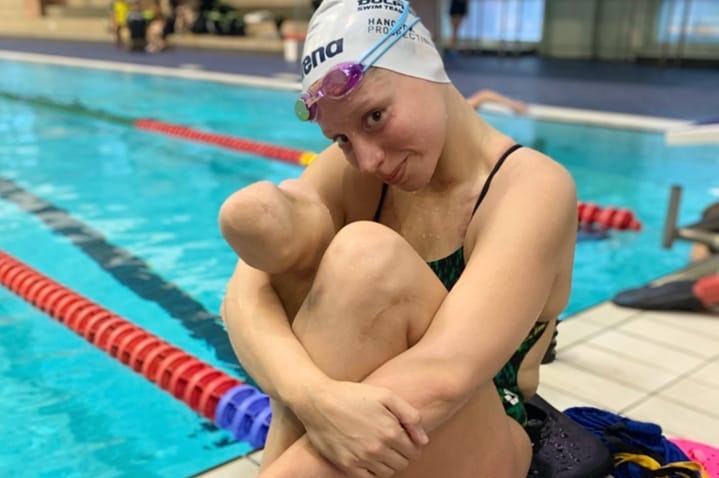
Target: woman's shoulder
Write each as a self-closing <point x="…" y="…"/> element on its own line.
<point x="531" y="183"/>
<point x="534" y="169"/>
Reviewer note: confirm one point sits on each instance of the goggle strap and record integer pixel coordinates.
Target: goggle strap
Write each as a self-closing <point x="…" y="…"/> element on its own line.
<point x="397" y="25"/>
<point x="394" y="40"/>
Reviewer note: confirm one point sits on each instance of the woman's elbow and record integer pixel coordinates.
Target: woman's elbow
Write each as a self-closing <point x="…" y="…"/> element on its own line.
<point x="452" y="385"/>
<point x="242" y="214"/>
<point x="256" y="225"/>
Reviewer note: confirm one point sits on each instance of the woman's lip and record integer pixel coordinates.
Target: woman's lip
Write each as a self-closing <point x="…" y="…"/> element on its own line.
<point x="396" y="174"/>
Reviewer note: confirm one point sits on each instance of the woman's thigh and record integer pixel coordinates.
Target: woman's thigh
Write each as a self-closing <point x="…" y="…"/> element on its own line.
<point x="480" y="440"/>
<point x="372" y="298"/>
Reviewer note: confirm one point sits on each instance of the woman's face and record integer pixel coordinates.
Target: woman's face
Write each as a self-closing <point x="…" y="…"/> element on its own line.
<point x="393" y="127"/>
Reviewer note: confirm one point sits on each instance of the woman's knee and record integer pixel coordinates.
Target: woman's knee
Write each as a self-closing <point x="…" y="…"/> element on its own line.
<point x="379" y="283"/>
<point x="366" y="256"/>
<point x="366" y="272"/>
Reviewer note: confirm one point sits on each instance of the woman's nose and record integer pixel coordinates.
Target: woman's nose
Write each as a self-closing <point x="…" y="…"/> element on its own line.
<point x="369" y="155"/>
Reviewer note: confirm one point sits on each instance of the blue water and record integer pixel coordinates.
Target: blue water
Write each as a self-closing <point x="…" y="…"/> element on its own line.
<point x="68" y="409"/>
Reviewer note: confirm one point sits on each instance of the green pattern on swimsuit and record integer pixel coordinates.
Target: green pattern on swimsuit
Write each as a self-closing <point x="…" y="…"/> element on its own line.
<point x="506" y="379"/>
<point x="449" y="268"/>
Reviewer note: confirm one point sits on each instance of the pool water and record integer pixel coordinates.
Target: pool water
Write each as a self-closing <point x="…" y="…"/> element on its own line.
<point x="630" y="169"/>
<point x="73" y="411"/>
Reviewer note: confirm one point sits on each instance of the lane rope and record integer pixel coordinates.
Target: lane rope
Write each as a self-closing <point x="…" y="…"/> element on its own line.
<point x="232" y="404"/>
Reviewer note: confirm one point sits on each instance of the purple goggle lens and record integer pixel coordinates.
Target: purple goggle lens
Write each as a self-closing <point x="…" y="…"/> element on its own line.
<point x="340" y="81"/>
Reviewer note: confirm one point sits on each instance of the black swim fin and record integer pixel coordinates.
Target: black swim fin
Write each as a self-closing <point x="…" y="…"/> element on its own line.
<point x="677" y="295"/>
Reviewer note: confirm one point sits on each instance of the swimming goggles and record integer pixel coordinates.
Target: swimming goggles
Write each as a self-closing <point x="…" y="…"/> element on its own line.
<point x="344" y="78"/>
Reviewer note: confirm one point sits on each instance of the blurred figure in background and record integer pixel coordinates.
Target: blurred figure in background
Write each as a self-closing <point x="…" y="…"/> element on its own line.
<point x="457" y="12"/>
<point x="155" y="34"/>
<point x="701" y="251"/>
<point x="136" y="26"/>
<point x="490" y="96"/>
<point x="118" y="18"/>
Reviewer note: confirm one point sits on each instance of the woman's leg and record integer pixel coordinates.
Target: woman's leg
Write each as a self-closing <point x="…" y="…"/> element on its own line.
<point x="372" y="298"/>
<point x="365" y="306"/>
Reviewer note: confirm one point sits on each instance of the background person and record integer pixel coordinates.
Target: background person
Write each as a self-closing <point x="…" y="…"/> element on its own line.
<point x="481" y="97"/>
<point x="155" y="34"/>
<point x="701" y="251"/>
<point x="118" y="19"/>
<point x="136" y="26"/>
<point x="457" y="12"/>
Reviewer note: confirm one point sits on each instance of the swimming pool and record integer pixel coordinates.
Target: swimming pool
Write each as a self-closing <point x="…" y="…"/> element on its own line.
<point x="154" y="199"/>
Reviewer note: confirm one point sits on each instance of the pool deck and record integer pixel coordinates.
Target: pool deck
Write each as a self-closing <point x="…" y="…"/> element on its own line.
<point x="646" y="90"/>
<point x="661" y="367"/>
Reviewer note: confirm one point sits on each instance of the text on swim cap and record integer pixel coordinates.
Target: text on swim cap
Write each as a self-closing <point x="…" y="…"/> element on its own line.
<point x="319" y="55"/>
<point x="394" y="3"/>
<point x="384" y="25"/>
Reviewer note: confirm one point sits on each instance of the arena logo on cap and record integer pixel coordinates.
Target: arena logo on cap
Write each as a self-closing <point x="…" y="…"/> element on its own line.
<point x="319" y="55"/>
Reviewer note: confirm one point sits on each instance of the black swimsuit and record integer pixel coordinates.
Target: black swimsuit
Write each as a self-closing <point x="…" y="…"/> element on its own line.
<point x="448" y="269"/>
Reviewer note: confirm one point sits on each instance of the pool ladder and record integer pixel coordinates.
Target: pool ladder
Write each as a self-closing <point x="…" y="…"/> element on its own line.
<point x="697" y="232"/>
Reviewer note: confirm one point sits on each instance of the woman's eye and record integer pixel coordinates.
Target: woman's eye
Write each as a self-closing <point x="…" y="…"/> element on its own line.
<point x="341" y="140"/>
<point x="374" y="118"/>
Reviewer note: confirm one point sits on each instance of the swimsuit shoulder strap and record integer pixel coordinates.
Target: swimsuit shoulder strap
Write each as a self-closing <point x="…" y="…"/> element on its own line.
<point x="378" y="211"/>
<point x="496" y="167"/>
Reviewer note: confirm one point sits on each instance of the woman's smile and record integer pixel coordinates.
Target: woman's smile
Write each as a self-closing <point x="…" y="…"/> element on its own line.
<point x="397" y="175"/>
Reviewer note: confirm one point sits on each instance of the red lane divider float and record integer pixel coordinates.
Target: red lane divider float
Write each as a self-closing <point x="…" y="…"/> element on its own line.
<point x="230" y="403"/>
<point x="281" y="153"/>
<point x="610" y="217"/>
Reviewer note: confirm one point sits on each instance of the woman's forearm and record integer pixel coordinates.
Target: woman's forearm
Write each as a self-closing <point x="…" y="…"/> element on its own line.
<point x="263" y="339"/>
<point x="436" y="400"/>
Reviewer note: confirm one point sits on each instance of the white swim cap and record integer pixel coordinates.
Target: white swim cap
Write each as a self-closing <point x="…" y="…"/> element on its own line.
<point x="345" y="30"/>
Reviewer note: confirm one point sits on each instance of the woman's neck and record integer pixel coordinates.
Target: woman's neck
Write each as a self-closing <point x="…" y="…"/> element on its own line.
<point x="471" y="149"/>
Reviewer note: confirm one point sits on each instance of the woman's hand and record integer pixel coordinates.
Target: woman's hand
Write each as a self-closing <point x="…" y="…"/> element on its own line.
<point x="362" y="429"/>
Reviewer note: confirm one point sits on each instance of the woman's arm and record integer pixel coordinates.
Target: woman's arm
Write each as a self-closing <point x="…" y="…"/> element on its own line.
<point x="490" y="96"/>
<point x="281" y="231"/>
<point x="281" y="234"/>
<point x="256" y="322"/>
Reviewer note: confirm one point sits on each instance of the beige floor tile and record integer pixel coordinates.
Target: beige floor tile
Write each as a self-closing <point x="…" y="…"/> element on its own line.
<point x="256" y="457"/>
<point x="695" y="394"/>
<point x="607" y="364"/>
<point x="240" y="468"/>
<point x="562" y="400"/>
<point x="677" y="420"/>
<point x="705" y="324"/>
<point x="575" y="330"/>
<point x="642" y="352"/>
<point x="708" y="373"/>
<point x="608" y="315"/>
<point x="588" y="386"/>
<point x="674" y="337"/>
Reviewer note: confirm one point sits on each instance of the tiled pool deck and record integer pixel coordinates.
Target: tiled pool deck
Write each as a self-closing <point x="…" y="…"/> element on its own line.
<point x="657" y="367"/>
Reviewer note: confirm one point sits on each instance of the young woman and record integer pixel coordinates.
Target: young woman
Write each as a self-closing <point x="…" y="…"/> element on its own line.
<point x="396" y="300"/>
